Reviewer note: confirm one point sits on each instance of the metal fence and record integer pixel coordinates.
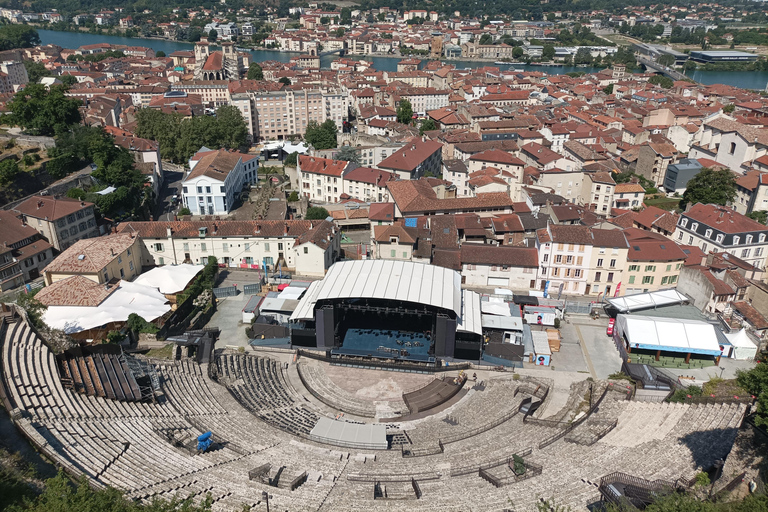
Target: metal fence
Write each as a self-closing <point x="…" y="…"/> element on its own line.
<point x="579" y="308"/>
<point x="251" y="289"/>
<point x="228" y="291"/>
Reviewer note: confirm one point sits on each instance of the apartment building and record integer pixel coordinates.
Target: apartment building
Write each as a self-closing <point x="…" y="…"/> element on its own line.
<point x="598" y="190"/>
<point x="729" y="142"/>
<point x="61" y="221"/>
<point x="367" y="184"/>
<point x="653" y="262"/>
<point x="305" y="247"/>
<point x="27" y="245"/>
<point x="215" y="179"/>
<point x="415" y="159"/>
<point x="720" y="229"/>
<point x="11" y="275"/>
<point x="100" y="259"/>
<point x="275" y="115"/>
<point x="322" y="179"/>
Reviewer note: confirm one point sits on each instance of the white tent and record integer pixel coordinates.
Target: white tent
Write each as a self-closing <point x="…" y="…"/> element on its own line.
<point x="169" y="278"/>
<point x="145" y="301"/>
<point x="648" y="300"/>
<point x="743" y="347"/>
<point x="668" y="334"/>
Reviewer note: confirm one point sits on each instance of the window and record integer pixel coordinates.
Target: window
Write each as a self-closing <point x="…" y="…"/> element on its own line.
<point x="207" y="190"/>
<point x="61" y="223"/>
<point x="306" y="250"/>
<point x="119" y="259"/>
<point x="106" y="276"/>
<point x="690" y="240"/>
<point x="569" y="260"/>
<point x="758" y="252"/>
<point x="669" y="268"/>
<point x="73" y="230"/>
<point x="158" y="247"/>
<point x="203" y="248"/>
<point x="695" y="226"/>
<point x="600" y="262"/>
<point x="749" y="239"/>
<point x="577" y="273"/>
<point x="719" y="239"/>
<point x="392" y="253"/>
<point x="683" y="223"/>
<point x="546" y="258"/>
<point x="708" y="234"/>
<point x="70" y="218"/>
<point x="631" y="279"/>
<point x="745" y="253"/>
<point x="128" y="252"/>
<point x="184" y="190"/>
<point x="634" y="268"/>
<point x="610" y="277"/>
<point x="680" y="235"/>
<point x="579" y="260"/>
<point x="598" y="276"/>
<point x="279" y="246"/>
<point x="613" y="263"/>
<point x="761" y="238"/>
<point x="736" y="240"/>
<point x="130" y="265"/>
<point x="664" y="280"/>
<point x="222" y="190"/>
<point x="567" y="272"/>
<point x="161" y="261"/>
<point x="266" y="247"/>
<point x="405" y="254"/>
<point x="185" y="245"/>
<point x="558" y="258"/>
<point x="225" y="247"/>
<point x="650" y="268"/>
<point x="199" y="190"/>
<point x="733" y="148"/>
<point x="122" y="274"/>
<point x="672" y="279"/>
<point x="647" y="279"/>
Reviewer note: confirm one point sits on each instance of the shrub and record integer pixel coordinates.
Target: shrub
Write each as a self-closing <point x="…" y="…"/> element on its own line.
<point x="557" y="323"/>
<point x="518" y="465"/>
<point x="184" y="211"/>
<point x="293" y="197"/>
<point x="702" y="479"/>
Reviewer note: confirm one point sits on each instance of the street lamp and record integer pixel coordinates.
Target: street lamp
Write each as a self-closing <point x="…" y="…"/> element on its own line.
<point x="265" y="496"/>
<point x="721" y="372"/>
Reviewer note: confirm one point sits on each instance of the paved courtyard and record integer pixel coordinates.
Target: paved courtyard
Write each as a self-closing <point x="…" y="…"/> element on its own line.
<point x="229" y="311"/>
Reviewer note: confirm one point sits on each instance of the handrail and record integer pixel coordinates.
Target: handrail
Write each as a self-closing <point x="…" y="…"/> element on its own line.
<point x="576" y="423"/>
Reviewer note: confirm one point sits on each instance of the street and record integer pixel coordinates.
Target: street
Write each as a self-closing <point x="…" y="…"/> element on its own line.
<point x="164" y="207"/>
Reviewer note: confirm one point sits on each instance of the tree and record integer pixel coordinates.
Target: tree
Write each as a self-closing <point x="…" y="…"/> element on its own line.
<point x="729" y="108"/>
<point x="35" y="71"/>
<point x="662" y="81"/>
<point x="486" y="39"/>
<point x="285" y="80"/>
<point x="293" y="197"/>
<point x="321" y="136"/>
<point x="346" y="15"/>
<point x="548" y="53"/>
<point x="230" y="125"/>
<point x="710" y="187"/>
<point x="608" y="89"/>
<point x="255" y="72"/>
<point x="159" y="53"/>
<point x="316" y="213"/>
<point x="137" y="324"/>
<point x="404" y="112"/>
<point x="213" y="35"/>
<point x="325" y="20"/>
<point x="756" y="382"/>
<point x="666" y="60"/>
<point x="292" y="159"/>
<point x="184" y="211"/>
<point x="583" y="56"/>
<point x="348" y="154"/>
<point x="34" y="308"/>
<point x="9" y="169"/>
<point x="68" y="80"/>
<point x="339" y="32"/>
<point x="427" y="125"/>
<point x="760" y="216"/>
<point x="42" y="111"/>
<point x="18" y="36"/>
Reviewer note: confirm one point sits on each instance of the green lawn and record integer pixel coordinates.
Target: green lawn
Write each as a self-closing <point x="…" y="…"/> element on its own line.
<point x="162" y="353"/>
<point x="665" y="203"/>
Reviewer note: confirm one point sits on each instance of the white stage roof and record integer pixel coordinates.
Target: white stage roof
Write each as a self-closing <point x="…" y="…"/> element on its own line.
<point x="647" y="300"/>
<point x="306" y="308"/>
<point x="354" y="435"/>
<point x="503" y="323"/>
<point x="291" y="293"/>
<point x="470" y="319"/>
<point x="669" y="334"/>
<point x="400" y="281"/>
<point x="145" y="301"/>
<point x="169" y="279"/>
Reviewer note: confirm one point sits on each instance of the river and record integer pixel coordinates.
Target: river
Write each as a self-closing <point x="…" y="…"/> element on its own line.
<point x="744" y="79"/>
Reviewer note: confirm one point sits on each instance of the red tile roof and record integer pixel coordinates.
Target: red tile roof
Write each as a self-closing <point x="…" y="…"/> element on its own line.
<point x="723" y="218"/>
<point x="410" y="156"/>
<point x="75" y="291"/>
<point x="46" y="207"/>
<point x="325" y="166"/>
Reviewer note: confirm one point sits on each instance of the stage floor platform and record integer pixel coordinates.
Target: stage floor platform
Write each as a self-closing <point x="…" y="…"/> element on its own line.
<point x="386" y="344"/>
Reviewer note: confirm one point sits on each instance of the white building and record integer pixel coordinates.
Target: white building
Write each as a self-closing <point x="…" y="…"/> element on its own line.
<point x="215" y="179"/>
<point x="322" y="179"/>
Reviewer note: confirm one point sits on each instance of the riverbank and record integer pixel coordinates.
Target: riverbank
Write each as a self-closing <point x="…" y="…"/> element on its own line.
<point x="747" y="80"/>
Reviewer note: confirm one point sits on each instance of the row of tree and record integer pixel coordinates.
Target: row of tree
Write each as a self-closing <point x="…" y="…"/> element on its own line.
<point x="180" y="138"/>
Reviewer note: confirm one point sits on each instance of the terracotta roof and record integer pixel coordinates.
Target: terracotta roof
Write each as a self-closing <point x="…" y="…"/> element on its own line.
<point x="382" y="212"/>
<point x="415" y="196"/>
<point x="628" y="188"/>
<point x="75" y="291"/>
<point x="447" y="258"/>
<point x="652" y="216"/>
<point x="482" y="254"/>
<point x="751" y="315"/>
<point x="216" y="164"/>
<point x="214" y="62"/>
<point x="648" y="246"/>
<point x="384" y="233"/>
<point x="325" y="166"/>
<point x="497" y="156"/>
<point x="410" y="156"/>
<point x="369" y="175"/>
<point x="723" y="218"/>
<point x="222" y="228"/>
<point x="91" y="255"/>
<point x="46" y="207"/>
<point x="13" y="230"/>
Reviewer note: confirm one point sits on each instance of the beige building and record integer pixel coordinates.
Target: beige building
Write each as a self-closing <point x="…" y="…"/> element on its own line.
<point x="653" y="262"/>
<point x="597" y="190"/>
<point x="301" y="246"/>
<point x="62" y="221"/>
<point x="98" y="259"/>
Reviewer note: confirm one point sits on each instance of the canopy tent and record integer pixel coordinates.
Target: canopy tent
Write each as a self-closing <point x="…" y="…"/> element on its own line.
<point x="145" y="301"/>
<point x="668" y="334"/>
<point x="647" y="300"/>
<point x="743" y="347"/>
<point x="169" y="279"/>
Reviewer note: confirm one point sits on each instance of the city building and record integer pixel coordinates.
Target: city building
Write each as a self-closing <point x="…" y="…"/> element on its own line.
<point x="216" y="179"/>
<point x="102" y="259"/>
<point x="62" y="221"/>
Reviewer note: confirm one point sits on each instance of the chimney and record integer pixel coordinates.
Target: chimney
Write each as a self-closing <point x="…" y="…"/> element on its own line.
<point x="112" y="251"/>
<point x="258" y="228"/>
<point x="168" y="232"/>
<point x="285" y="229"/>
